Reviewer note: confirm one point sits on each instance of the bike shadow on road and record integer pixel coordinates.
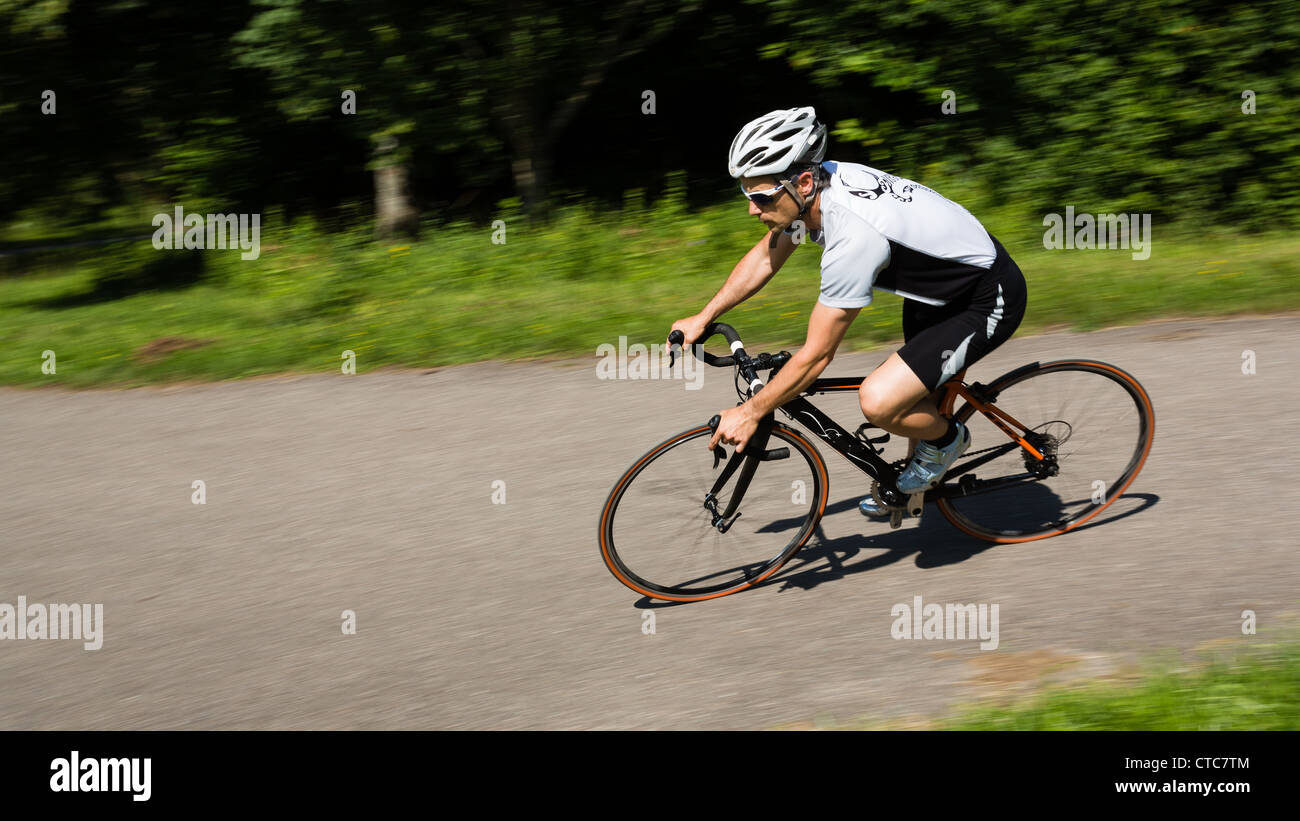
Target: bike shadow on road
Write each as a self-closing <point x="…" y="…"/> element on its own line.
<point x="935" y="541"/>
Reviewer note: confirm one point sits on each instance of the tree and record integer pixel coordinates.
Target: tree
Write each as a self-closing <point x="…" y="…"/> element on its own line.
<point x="1121" y="103"/>
<point x="372" y="65"/>
<point x="540" y="63"/>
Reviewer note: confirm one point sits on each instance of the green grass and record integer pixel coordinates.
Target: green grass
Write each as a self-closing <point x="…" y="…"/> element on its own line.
<point x="1255" y="689"/>
<point x="562" y="290"/>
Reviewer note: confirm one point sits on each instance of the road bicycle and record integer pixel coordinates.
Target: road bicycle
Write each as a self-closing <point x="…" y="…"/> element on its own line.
<point x="1062" y="441"/>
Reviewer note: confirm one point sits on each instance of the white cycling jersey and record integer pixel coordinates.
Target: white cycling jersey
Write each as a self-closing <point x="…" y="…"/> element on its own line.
<point x="886" y="232"/>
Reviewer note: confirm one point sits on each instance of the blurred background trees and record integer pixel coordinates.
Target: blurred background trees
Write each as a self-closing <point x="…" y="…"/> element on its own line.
<point x="239" y="106"/>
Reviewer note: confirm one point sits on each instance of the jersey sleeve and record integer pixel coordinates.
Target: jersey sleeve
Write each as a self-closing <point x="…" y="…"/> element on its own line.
<point x="855" y="253"/>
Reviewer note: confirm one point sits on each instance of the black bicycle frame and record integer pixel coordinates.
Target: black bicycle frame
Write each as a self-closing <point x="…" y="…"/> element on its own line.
<point x="860" y="454"/>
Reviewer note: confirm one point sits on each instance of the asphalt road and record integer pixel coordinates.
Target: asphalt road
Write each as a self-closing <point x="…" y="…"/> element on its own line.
<point x="374" y="493"/>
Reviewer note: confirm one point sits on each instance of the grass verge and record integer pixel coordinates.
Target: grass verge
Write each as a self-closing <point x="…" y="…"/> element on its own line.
<point x="1253" y="689"/>
<point x="129" y="314"/>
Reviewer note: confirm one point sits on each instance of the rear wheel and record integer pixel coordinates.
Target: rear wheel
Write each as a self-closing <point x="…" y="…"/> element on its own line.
<point x="661" y="533"/>
<point x="1094" y="424"/>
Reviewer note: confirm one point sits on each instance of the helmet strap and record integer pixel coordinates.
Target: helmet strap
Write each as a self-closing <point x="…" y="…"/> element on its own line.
<point x="794" y="192"/>
<point x="804" y="204"/>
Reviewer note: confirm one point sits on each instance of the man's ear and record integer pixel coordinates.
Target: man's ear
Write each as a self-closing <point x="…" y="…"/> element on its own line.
<point x="813" y="179"/>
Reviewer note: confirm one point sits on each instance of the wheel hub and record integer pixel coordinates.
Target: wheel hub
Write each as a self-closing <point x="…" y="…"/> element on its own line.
<point x="1046" y="444"/>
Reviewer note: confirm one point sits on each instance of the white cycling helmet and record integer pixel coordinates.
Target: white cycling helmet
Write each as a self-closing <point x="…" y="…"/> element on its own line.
<point x="776" y="141"/>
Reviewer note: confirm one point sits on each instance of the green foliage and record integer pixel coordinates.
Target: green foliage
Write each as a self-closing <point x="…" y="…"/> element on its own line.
<point x="562" y="289"/>
<point x="1251" y="691"/>
<point x="1108" y="106"/>
<point x="1124" y="106"/>
<point x="315" y="51"/>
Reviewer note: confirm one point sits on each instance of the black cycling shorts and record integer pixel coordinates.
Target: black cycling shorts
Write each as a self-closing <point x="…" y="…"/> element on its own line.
<point x="940" y="340"/>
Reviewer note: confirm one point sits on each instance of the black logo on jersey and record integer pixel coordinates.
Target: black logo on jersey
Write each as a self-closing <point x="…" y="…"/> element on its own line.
<point x="885" y="184"/>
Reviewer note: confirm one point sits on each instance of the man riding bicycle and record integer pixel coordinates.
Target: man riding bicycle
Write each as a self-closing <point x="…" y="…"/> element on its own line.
<point x="963" y="295"/>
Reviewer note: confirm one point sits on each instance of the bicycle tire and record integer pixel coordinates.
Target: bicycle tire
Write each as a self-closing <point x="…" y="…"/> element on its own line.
<point x="637" y="541"/>
<point x="1011" y="516"/>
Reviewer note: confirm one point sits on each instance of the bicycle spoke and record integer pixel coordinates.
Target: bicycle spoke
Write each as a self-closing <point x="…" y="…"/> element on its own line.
<point x="1090" y="426"/>
<point x="662" y="536"/>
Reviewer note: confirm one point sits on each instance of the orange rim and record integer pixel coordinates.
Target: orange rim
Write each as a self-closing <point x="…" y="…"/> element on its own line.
<point x="626" y="478"/>
<point x="952" y="515"/>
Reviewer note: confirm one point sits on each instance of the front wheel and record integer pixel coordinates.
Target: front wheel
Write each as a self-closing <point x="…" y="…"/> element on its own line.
<point x="1093" y="422"/>
<point x="660" y="529"/>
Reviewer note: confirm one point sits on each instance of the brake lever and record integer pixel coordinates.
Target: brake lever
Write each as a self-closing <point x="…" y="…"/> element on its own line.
<point x="675" y="340"/>
<point x="719" y="452"/>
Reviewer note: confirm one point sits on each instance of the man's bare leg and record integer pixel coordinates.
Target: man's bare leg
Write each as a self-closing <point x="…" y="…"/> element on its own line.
<point x="896" y="400"/>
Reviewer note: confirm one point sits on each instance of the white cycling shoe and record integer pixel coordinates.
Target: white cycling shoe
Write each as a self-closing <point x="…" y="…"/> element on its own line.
<point x="929" y="463"/>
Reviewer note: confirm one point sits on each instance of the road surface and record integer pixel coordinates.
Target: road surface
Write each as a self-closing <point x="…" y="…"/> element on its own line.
<point x="375" y="494"/>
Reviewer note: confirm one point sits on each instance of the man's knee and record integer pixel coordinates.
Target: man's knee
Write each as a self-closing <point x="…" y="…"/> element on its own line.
<point x="877" y="405"/>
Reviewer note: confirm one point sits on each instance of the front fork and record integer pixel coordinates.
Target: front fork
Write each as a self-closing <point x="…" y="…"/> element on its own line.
<point x="747" y="462"/>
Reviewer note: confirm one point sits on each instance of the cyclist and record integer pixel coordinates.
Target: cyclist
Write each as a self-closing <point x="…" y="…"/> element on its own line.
<point x="963" y="295"/>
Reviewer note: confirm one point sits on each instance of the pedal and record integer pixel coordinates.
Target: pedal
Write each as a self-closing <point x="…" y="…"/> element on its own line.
<point x="915" y="504"/>
<point x="967" y="484"/>
<point x="895" y="513"/>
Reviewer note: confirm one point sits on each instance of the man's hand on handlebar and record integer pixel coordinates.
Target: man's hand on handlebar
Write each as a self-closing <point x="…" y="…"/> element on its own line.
<point x="735" y="428"/>
<point x="692" y="328"/>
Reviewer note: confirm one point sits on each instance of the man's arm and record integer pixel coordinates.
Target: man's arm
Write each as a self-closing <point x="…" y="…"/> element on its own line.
<point x="826" y="328"/>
